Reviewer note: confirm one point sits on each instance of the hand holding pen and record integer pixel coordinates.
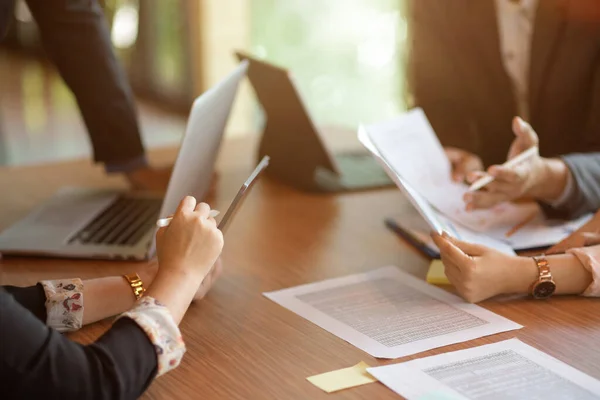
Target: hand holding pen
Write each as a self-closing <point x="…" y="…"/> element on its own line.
<point x="524" y="175"/>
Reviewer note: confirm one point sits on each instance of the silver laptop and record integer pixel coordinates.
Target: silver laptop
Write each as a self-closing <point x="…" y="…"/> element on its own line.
<point x="89" y="223"/>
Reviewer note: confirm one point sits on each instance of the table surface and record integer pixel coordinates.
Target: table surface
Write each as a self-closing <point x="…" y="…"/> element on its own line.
<point x="242" y="345"/>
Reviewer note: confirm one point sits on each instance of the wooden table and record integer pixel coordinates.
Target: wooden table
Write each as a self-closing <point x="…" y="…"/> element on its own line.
<point x="242" y="345"/>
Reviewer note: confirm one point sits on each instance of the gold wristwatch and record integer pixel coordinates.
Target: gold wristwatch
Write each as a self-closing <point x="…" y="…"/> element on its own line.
<point x="136" y="284"/>
<point x="544" y="287"/>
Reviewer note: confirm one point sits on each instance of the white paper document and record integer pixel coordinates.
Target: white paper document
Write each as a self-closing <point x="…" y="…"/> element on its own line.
<point x="504" y="371"/>
<point x="435" y="221"/>
<point x="389" y="313"/>
<point x="541" y="232"/>
<point x="411" y="148"/>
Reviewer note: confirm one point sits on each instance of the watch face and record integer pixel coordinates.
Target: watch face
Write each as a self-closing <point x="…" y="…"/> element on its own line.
<point x="543" y="290"/>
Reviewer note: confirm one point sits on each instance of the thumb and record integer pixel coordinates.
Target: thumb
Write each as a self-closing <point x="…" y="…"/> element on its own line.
<point x="525" y="137"/>
<point x="468" y="248"/>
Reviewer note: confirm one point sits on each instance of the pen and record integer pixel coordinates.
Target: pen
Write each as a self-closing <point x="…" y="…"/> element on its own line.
<point x="524" y="156"/>
<point x="161" y="223"/>
<point x="413" y="241"/>
<point x="521" y="224"/>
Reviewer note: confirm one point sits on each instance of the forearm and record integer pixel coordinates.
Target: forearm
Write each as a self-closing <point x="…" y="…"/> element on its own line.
<point x="551" y="180"/>
<point x="106" y="297"/>
<point x="176" y="291"/>
<point x="568" y="273"/>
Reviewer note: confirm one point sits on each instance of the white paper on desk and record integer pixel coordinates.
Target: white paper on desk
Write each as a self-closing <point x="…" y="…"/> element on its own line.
<point x="436" y="221"/>
<point x="541" y="232"/>
<point x="389" y="313"/>
<point x="504" y="370"/>
<point x="411" y="148"/>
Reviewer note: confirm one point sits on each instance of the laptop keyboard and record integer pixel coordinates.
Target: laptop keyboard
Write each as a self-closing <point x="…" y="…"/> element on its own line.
<point x="123" y="223"/>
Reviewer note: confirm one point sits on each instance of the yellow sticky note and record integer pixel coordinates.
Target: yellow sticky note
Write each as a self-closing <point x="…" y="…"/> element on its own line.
<point x="436" y="275"/>
<point x="343" y="378"/>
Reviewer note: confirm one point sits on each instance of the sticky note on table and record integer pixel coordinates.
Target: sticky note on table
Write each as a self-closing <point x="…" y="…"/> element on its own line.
<point x="343" y="378"/>
<point x="436" y="274"/>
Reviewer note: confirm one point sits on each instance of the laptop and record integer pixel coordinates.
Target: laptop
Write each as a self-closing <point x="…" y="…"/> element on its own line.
<point x="299" y="156"/>
<point x="90" y="223"/>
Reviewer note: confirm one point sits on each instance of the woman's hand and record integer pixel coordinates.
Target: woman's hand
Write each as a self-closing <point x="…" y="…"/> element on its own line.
<point x="579" y="239"/>
<point x="149" y="274"/>
<point x="210" y="280"/>
<point x="537" y="178"/>
<point x="463" y="163"/>
<point x="477" y="272"/>
<point x="192" y="242"/>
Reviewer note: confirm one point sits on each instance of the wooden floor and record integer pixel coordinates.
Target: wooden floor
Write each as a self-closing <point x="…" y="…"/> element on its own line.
<point x="40" y="121"/>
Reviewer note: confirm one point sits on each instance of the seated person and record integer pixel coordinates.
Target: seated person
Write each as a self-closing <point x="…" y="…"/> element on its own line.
<point x="475" y="64"/>
<point x="478" y="272"/>
<point x="566" y="186"/>
<point x="36" y="361"/>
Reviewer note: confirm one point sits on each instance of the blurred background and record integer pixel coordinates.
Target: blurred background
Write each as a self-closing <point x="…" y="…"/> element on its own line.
<point x="347" y="57"/>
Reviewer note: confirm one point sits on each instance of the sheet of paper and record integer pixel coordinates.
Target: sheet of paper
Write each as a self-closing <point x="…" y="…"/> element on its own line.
<point x="389" y="313"/>
<point x="343" y="378"/>
<point x="421" y="205"/>
<point x="411" y="148"/>
<point x="436" y="274"/>
<point x="505" y="370"/>
<point x="540" y="232"/>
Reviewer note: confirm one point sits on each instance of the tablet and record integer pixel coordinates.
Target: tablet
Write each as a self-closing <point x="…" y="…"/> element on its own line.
<point x="242" y="194"/>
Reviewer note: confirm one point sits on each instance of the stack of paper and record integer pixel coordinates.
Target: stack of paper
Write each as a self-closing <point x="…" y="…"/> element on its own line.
<point x="413" y="156"/>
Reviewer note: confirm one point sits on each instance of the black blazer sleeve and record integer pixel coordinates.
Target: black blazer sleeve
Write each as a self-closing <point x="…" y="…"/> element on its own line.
<point x="38" y="362"/>
<point x="33" y="298"/>
<point x="76" y="37"/>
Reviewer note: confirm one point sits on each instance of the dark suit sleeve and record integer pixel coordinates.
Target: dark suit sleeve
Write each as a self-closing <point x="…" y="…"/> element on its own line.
<point x="33" y="298"/>
<point x="432" y="79"/>
<point x="38" y="362"/>
<point x="76" y="37"/>
<point x="585" y="196"/>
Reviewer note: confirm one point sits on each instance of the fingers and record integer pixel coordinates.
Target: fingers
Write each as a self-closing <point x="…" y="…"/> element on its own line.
<point x="186" y="205"/>
<point x="462" y="163"/>
<point x="504" y="174"/>
<point x="202" y="209"/>
<point x="590" y="238"/>
<point x="525" y="137"/>
<point x="524" y="131"/>
<point x="471" y="249"/>
<point x="209" y="280"/>
<point x="468" y="164"/>
<point x="450" y="251"/>
<point x="484" y="200"/>
<point x="476" y="175"/>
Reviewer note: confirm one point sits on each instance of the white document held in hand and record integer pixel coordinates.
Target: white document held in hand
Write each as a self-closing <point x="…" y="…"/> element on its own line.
<point x="411" y="148"/>
<point x="508" y="370"/>
<point x="389" y="313"/>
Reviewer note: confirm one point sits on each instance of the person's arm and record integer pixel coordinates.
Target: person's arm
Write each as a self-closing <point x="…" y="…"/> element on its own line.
<point x="76" y="37"/>
<point x="478" y="272"/>
<point x="36" y="361"/>
<point x="101" y="297"/>
<point x="583" y="195"/>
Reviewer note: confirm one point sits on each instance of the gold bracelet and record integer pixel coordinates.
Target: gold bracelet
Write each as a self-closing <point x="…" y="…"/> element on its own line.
<point x="136" y="284"/>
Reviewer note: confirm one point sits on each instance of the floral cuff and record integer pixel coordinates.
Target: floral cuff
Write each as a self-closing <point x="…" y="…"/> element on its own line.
<point x="590" y="263"/>
<point x="156" y="321"/>
<point x="64" y="304"/>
